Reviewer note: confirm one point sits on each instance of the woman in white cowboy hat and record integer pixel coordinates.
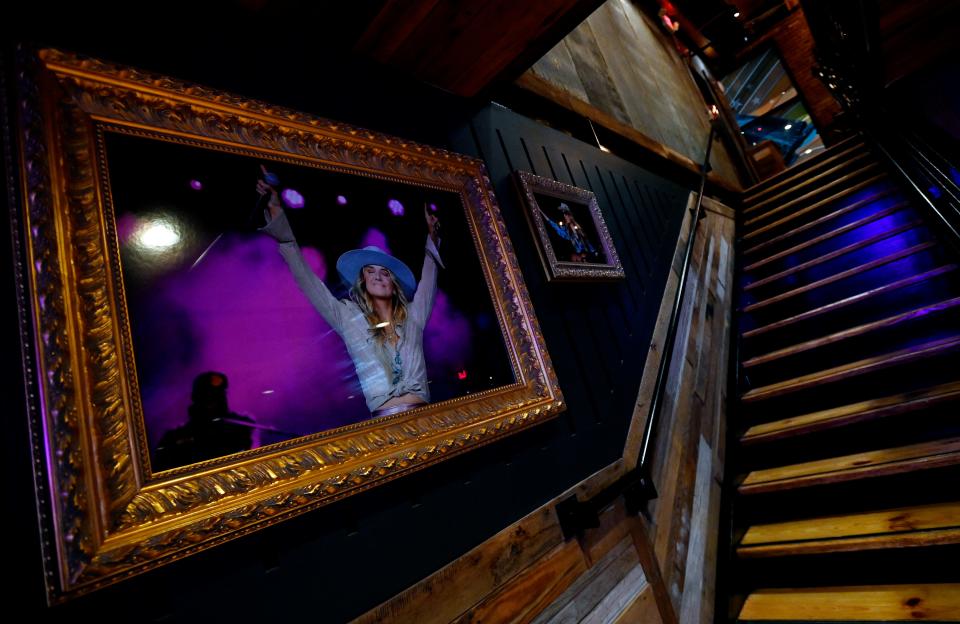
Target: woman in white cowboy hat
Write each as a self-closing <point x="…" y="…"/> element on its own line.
<point x="382" y="322"/>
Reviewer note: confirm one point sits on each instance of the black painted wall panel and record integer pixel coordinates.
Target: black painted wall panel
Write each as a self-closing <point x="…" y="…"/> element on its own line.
<point x="339" y="561"/>
<point x="596" y="332"/>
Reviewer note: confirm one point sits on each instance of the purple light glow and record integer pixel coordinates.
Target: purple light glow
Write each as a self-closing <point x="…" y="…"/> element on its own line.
<point x="126" y="226"/>
<point x="447" y="340"/>
<point x="341" y="200"/>
<point x="376" y="238"/>
<point x="240" y="312"/>
<point x="396" y="208"/>
<point x="292" y="198"/>
<point x="196" y="185"/>
<point x="433" y="207"/>
<point x="314" y="259"/>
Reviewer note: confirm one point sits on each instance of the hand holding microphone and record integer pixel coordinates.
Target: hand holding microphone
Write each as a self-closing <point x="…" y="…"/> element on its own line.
<point x="267" y="186"/>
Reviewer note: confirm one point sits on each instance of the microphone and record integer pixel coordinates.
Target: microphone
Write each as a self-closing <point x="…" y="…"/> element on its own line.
<point x="270" y="178"/>
<point x="273" y="180"/>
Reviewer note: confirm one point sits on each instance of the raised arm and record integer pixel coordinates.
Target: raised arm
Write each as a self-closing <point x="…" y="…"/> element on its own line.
<point x="562" y="233"/>
<point x="329" y="307"/>
<point x="427" y="287"/>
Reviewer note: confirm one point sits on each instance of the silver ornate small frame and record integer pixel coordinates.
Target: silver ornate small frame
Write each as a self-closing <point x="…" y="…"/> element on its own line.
<point x="531" y="185"/>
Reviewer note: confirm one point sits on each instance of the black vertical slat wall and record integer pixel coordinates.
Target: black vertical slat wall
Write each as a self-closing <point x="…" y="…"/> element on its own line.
<point x="337" y="562"/>
<point x="597" y="333"/>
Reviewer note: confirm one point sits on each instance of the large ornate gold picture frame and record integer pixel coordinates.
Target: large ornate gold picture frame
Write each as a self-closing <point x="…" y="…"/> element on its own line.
<point x="95" y="143"/>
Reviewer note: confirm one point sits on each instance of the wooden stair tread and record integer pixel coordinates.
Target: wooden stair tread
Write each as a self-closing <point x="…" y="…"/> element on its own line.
<point x="827" y="236"/>
<point x="860" y="244"/>
<point x="820" y="204"/>
<point x="864" y="603"/>
<point x="859" y="297"/>
<point x="806" y="182"/>
<point x="839" y="150"/>
<point x="850" y="467"/>
<point x="798" y="173"/>
<point x="836" y="277"/>
<point x="852" y="332"/>
<point x="853" y="369"/>
<point x="839" y="182"/>
<point x="924" y="525"/>
<point x="854" y="412"/>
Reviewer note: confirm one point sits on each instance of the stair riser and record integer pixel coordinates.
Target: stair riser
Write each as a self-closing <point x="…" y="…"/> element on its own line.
<point x="880" y="306"/>
<point x="822" y="295"/>
<point x="883" y="567"/>
<point x="757" y="244"/>
<point x="882" y="225"/>
<point x="925" y="424"/>
<point x="922" y="487"/>
<point x="929" y="326"/>
<point x="823" y="176"/>
<point x="868" y="181"/>
<point x="807" y="167"/>
<point x="903" y="377"/>
<point x="760" y="288"/>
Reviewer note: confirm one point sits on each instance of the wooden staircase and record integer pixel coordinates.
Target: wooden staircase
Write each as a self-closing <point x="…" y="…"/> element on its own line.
<point x="847" y="465"/>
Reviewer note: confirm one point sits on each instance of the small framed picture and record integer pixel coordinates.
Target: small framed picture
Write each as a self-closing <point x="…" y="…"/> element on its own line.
<point x="572" y="237"/>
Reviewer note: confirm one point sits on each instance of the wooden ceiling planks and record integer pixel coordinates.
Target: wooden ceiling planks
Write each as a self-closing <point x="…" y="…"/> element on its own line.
<point x="465" y="46"/>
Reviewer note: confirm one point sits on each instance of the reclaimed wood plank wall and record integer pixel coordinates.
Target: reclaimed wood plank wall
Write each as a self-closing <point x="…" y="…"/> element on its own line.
<point x="621" y="63"/>
<point x="630" y="568"/>
<point x="689" y="452"/>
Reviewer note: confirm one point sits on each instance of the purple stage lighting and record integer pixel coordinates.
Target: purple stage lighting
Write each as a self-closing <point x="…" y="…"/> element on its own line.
<point x="433" y="207"/>
<point x="196" y="185"/>
<point x="292" y="198"/>
<point x="376" y="238"/>
<point x="396" y="208"/>
<point x="341" y="200"/>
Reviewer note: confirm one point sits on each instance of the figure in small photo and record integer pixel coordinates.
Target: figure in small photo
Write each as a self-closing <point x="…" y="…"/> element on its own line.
<point x="382" y="322"/>
<point x="580" y="249"/>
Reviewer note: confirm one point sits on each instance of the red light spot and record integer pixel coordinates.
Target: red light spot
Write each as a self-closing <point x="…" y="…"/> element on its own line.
<point x="461" y="375"/>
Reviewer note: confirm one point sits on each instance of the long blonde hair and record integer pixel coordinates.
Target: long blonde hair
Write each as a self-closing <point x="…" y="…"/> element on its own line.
<point x="360" y="296"/>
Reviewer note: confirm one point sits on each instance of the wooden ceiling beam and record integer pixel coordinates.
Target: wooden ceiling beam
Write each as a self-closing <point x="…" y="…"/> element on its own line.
<point x="464" y="47"/>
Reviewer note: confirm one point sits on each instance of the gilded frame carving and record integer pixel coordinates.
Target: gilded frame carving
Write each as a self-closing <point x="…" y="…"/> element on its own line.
<point x="556" y="269"/>
<point x="105" y="517"/>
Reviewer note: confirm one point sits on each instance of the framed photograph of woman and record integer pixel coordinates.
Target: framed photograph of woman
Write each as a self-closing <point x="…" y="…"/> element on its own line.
<point x="571" y="235"/>
<point x="236" y="312"/>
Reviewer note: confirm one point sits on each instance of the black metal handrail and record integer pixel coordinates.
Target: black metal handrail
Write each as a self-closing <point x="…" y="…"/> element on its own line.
<point x="659" y="389"/>
<point x="947" y="214"/>
<point x="637" y="485"/>
<point x="931" y="165"/>
<point x="846" y="35"/>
